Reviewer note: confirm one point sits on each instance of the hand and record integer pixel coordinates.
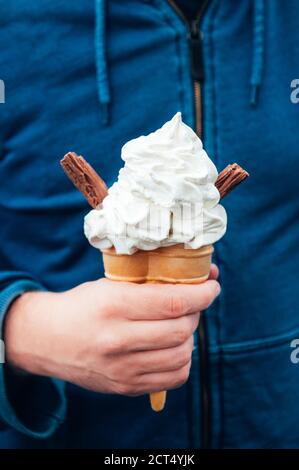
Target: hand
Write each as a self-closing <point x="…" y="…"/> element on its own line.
<point x="108" y="336"/>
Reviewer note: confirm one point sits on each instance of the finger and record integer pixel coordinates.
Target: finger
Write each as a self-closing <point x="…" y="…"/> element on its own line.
<point x="163" y="360"/>
<point x="156" y="382"/>
<point x="163" y="334"/>
<point x="214" y="272"/>
<point x="162" y="301"/>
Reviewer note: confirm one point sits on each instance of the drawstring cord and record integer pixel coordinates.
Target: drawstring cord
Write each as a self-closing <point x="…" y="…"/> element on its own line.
<point x="258" y="56"/>
<point x="102" y="77"/>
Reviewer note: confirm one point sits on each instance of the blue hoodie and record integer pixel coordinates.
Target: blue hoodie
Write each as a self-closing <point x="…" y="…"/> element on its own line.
<point x="88" y="76"/>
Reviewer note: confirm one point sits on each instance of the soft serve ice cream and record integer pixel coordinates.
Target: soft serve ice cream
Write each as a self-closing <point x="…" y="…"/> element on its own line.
<point x="165" y="194"/>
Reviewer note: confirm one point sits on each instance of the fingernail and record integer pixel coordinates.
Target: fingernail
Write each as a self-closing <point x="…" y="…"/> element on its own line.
<point x="218" y="288"/>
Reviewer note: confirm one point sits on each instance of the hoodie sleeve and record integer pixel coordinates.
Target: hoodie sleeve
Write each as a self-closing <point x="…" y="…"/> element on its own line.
<point x="30" y="404"/>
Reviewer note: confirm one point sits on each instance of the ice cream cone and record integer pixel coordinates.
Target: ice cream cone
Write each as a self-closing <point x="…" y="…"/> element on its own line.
<point x="144" y="183"/>
<point x="173" y="264"/>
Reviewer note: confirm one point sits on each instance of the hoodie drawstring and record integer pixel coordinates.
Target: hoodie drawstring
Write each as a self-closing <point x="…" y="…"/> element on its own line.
<point x="102" y="76"/>
<point x="258" y="56"/>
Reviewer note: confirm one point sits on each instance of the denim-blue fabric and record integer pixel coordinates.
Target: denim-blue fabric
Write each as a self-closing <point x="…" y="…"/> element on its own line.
<point x="88" y="76"/>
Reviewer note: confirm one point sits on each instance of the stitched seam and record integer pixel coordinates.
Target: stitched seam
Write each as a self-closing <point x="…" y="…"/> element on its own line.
<point x="256" y="345"/>
<point x="221" y="305"/>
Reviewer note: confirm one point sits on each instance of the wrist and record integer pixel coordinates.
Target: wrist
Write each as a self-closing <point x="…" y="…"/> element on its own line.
<point x="24" y="338"/>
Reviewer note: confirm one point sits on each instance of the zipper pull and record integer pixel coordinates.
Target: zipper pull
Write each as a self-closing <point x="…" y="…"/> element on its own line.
<point x="196" y="59"/>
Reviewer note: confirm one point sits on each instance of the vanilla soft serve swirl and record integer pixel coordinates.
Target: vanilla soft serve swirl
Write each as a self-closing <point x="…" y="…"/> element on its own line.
<point x="164" y="195"/>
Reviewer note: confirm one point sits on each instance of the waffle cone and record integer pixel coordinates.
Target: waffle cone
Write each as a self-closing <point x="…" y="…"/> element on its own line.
<point x="173" y="264"/>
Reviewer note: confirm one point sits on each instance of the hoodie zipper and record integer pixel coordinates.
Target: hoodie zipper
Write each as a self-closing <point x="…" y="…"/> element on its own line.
<point x="197" y="74"/>
<point x="196" y="59"/>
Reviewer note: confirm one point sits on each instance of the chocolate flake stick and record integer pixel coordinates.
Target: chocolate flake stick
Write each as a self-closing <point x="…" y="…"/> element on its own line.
<point x="91" y="185"/>
<point x="85" y="178"/>
<point x="229" y="178"/>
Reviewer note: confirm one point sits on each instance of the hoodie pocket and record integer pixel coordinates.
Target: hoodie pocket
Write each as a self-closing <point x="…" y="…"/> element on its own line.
<point x="259" y="390"/>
